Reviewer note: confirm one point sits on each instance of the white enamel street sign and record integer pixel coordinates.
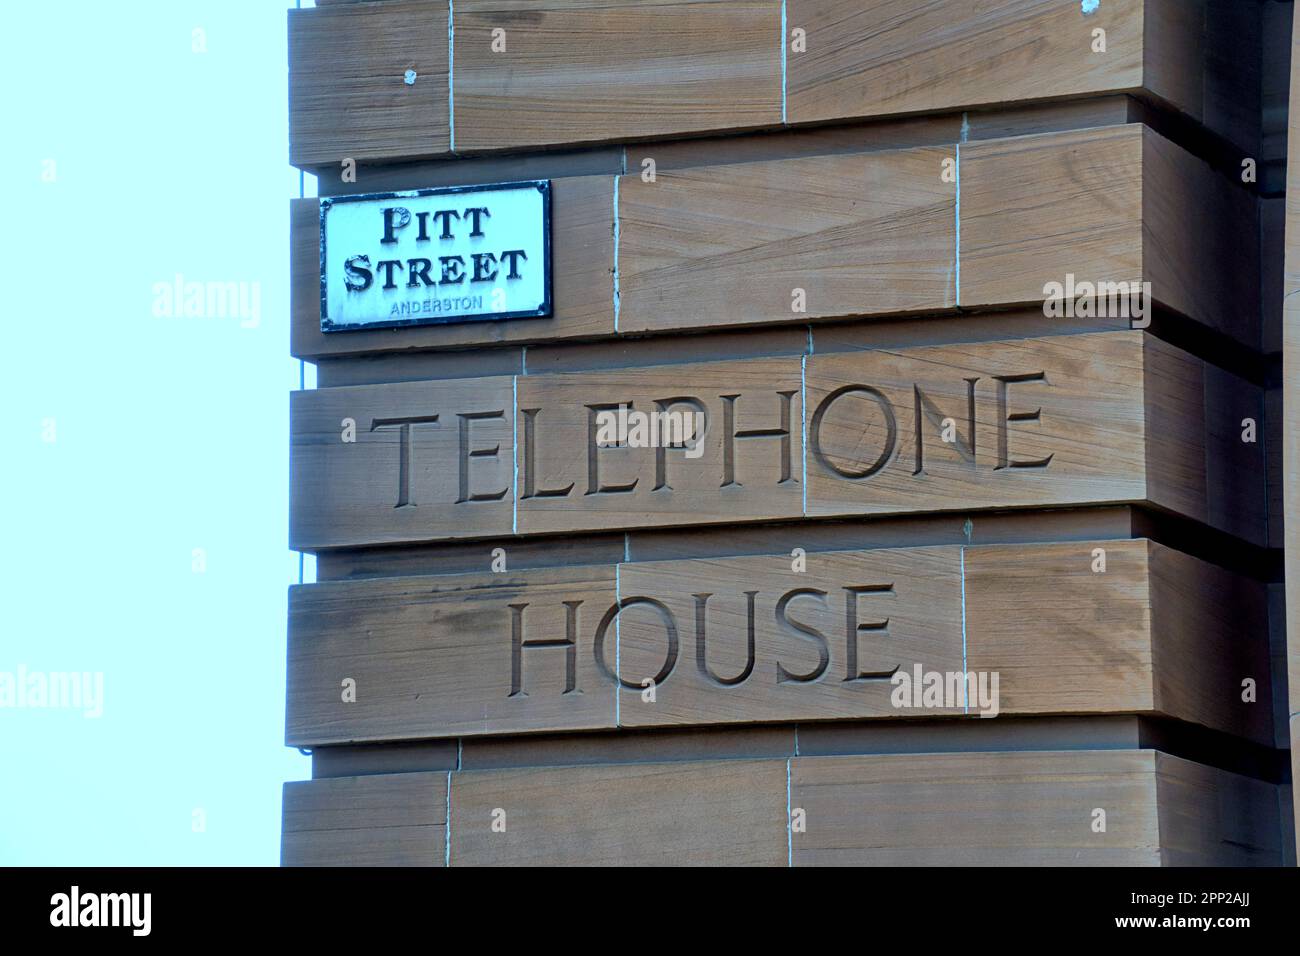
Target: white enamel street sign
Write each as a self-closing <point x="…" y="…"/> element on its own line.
<point x="456" y="254"/>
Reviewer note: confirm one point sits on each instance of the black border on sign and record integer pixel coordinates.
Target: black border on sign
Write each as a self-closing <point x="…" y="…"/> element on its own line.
<point x="541" y="185"/>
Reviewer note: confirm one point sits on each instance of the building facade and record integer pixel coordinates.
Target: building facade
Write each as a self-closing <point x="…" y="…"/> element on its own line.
<point x="793" y="432"/>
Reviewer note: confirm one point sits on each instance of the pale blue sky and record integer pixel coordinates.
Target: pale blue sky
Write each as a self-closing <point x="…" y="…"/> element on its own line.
<point x="170" y="433"/>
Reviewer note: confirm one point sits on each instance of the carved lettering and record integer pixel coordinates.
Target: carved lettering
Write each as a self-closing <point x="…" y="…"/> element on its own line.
<point x="730" y="435"/>
<point x="891" y="431"/>
<point x="670" y="630"/>
<point x="701" y="628"/>
<point x="518" y="645"/>
<point x="404" y="450"/>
